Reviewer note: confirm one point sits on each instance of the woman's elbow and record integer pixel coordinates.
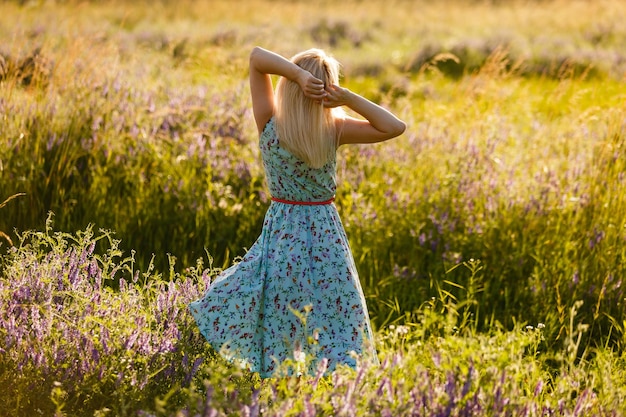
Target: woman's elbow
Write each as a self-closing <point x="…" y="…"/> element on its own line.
<point x="393" y="131"/>
<point x="399" y="128"/>
<point x="254" y="53"/>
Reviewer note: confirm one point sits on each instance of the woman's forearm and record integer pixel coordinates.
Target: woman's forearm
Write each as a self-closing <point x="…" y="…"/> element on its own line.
<point x="380" y="118"/>
<point x="268" y="62"/>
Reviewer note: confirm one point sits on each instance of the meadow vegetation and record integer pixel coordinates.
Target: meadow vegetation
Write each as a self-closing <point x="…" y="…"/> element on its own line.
<point x="490" y="237"/>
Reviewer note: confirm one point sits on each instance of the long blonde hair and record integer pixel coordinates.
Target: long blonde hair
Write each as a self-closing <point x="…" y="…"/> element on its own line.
<point x="305" y="127"/>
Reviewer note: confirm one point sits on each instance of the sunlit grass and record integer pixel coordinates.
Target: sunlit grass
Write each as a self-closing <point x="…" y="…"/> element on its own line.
<point x="100" y="337"/>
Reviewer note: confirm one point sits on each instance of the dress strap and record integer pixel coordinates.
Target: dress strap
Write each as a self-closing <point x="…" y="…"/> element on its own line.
<point x="304" y="203"/>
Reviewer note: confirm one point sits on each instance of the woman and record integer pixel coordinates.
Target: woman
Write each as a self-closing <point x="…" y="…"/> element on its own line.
<point x="296" y="293"/>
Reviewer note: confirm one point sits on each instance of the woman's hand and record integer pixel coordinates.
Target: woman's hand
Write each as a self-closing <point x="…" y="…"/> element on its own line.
<point x="336" y="96"/>
<point x="311" y="86"/>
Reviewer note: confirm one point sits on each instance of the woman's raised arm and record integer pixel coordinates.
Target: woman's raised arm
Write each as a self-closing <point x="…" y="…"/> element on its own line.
<point x="379" y="124"/>
<point x="264" y="63"/>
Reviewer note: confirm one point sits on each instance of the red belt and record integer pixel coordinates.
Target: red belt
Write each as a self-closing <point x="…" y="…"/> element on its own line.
<point x="304" y="203"/>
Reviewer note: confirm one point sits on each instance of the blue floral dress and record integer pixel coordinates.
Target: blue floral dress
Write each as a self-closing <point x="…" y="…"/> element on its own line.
<point x="296" y="292"/>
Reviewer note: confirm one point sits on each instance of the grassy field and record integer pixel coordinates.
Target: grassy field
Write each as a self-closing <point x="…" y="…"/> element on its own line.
<point x="490" y="237"/>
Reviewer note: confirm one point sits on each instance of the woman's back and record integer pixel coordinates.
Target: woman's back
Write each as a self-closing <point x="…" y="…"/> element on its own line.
<point x="288" y="177"/>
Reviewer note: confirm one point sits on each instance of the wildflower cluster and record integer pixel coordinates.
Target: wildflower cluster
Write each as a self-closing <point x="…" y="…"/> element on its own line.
<point x="88" y="325"/>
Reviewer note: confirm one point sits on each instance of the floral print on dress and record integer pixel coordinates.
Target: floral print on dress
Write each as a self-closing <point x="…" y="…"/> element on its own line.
<point x="297" y="283"/>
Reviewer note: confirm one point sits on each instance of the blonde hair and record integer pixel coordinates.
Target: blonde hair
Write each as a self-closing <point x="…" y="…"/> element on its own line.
<point x="305" y="127"/>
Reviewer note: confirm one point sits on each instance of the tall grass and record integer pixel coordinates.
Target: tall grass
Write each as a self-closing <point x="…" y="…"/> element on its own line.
<point x="136" y="119"/>
<point x="492" y="174"/>
<point x="75" y="346"/>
